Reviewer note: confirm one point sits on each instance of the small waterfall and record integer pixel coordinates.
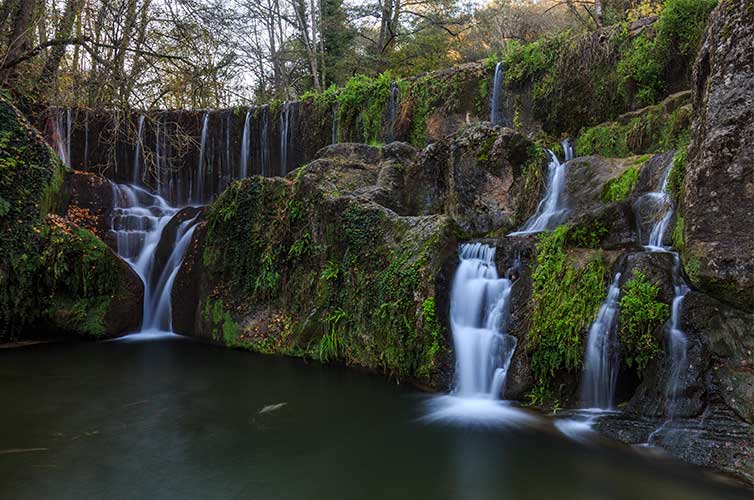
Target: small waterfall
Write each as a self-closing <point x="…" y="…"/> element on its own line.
<point x="497" y="106"/>
<point x="228" y="161"/>
<point x="600" y="361"/>
<point x="137" y="152"/>
<point x="677" y="342"/>
<point x="551" y="209"/>
<point x="479" y="312"/>
<point x="264" y="142"/>
<point x="334" y="129"/>
<point x="86" y="139"/>
<point x="138" y="222"/>
<point x="285" y="129"/>
<point x="478" y="316"/>
<point x="201" y="170"/>
<point x="393" y="109"/>
<point x="62" y="134"/>
<point x="567" y="149"/>
<point x="245" y="147"/>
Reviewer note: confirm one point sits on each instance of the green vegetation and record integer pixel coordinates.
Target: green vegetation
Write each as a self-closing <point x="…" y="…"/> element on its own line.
<point x="678" y="172"/>
<point x="566" y="293"/>
<point x="588" y="235"/>
<point x="641" y="314"/>
<point x="355" y="291"/>
<point x="620" y="188"/>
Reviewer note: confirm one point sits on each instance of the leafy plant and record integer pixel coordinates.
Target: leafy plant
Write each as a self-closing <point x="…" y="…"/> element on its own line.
<point x="641" y="314"/>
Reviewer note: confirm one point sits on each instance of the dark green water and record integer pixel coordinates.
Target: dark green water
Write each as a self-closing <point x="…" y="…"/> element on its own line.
<point x="173" y="419"/>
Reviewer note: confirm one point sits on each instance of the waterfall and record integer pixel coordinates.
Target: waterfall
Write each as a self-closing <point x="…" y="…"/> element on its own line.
<point x="228" y="161"/>
<point x="264" y="142"/>
<point x="285" y="115"/>
<point x="246" y="138"/>
<point x="62" y="135"/>
<point x="551" y="209"/>
<point x="138" y="222"/>
<point x="393" y="109"/>
<point x="567" y="149"/>
<point x="478" y="316"/>
<point x="677" y="342"/>
<point x="334" y="129"/>
<point x="497" y="108"/>
<point x="137" y="151"/>
<point x="86" y="139"/>
<point x="479" y="312"/>
<point x="601" y="361"/>
<point x="200" y="195"/>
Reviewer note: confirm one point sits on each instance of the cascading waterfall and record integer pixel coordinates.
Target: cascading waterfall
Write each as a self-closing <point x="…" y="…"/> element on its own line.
<point x="497" y="108"/>
<point x="138" y="222"/>
<point x="137" y="152"/>
<point x="201" y="170"/>
<point x="479" y="311"/>
<point x="601" y="360"/>
<point x="478" y="316"/>
<point x="551" y="209"/>
<point x="62" y="134"/>
<point x="245" y="147"/>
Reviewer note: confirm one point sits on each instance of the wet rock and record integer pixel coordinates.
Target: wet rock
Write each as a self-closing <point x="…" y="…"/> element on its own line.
<point x="169" y="233"/>
<point x="475" y="176"/>
<point x="719" y="181"/>
<point x="656" y="267"/>
<point x="90" y="202"/>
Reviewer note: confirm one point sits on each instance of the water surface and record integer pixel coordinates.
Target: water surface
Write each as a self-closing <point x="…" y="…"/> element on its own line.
<point x="174" y="419"/>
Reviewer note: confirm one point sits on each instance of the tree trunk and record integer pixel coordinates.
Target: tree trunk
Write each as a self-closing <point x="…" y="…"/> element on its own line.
<point x="18" y="42"/>
<point x="49" y="77"/>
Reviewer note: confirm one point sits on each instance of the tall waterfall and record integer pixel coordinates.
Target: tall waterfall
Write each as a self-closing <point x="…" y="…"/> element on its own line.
<point x="63" y="129"/>
<point x="139" y="221"/>
<point x="601" y="360"/>
<point x="551" y="209"/>
<point x="245" y="147"/>
<point x="497" y="106"/>
<point x="478" y="315"/>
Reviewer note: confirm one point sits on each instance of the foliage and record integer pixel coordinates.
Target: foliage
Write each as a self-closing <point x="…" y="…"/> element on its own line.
<point x="606" y="140"/>
<point x="621" y="187"/>
<point x="588" y="235"/>
<point x="678" y="172"/>
<point x="641" y="314"/>
<point x="566" y="297"/>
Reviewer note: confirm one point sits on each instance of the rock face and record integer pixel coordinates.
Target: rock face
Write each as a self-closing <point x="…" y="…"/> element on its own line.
<point x="349" y="258"/>
<point x="719" y="183"/>
<point x="55" y="275"/>
<point x="89" y="202"/>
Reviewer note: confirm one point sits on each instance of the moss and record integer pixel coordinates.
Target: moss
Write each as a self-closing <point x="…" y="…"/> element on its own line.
<point x="641" y="314"/>
<point x="350" y="282"/>
<point x="484" y="150"/>
<point x="566" y="296"/>
<point x="606" y="140"/>
<point x="678" y="233"/>
<point x="620" y="188"/>
<point x="678" y="173"/>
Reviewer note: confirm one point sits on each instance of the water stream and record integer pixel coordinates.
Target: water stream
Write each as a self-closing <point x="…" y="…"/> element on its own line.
<point x="601" y="357"/>
<point x="552" y="209"/>
<point x="139" y="222"/>
<point x="497" y="105"/>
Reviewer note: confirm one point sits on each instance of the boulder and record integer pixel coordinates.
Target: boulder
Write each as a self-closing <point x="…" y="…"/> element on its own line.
<point x="719" y="181"/>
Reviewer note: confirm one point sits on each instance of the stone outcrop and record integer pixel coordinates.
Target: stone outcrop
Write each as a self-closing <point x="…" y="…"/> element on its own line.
<point x="55" y="275"/>
<point x="719" y="182"/>
<point x="350" y="257"/>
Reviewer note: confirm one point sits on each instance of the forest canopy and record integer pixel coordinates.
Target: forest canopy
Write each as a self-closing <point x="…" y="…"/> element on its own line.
<point x="214" y="53"/>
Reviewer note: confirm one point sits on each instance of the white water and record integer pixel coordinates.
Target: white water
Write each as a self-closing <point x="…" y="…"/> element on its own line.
<point x="497" y="116"/>
<point x="551" y="209"/>
<point x="137" y="152"/>
<point x="63" y="131"/>
<point x="245" y="147"/>
<point x="264" y="142"/>
<point x="285" y="130"/>
<point x="479" y="310"/>
<point x="600" y="360"/>
<point x="138" y="222"/>
<point x="201" y="170"/>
